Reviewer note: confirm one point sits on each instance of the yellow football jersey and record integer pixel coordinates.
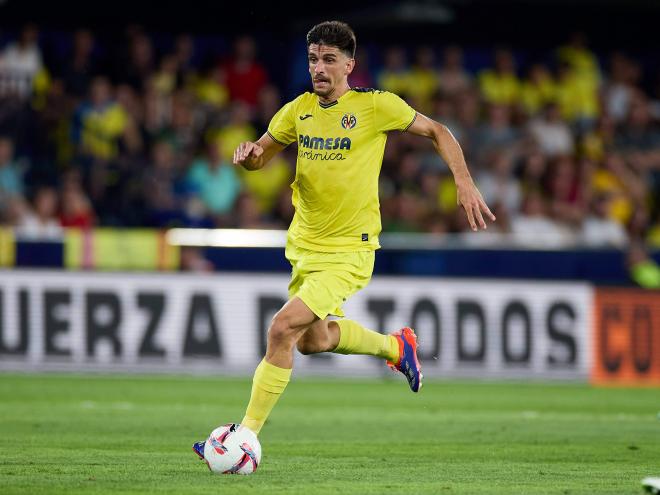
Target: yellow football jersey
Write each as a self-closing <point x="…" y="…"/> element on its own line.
<point x="340" y="153"/>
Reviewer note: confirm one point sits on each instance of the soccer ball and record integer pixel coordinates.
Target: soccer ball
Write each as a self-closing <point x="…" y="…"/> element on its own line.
<point x="232" y="449"/>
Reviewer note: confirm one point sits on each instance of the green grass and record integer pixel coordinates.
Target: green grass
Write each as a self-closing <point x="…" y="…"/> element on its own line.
<point x="133" y="434"/>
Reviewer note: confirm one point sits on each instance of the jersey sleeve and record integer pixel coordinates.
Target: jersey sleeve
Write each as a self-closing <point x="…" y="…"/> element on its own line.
<point x="282" y="127"/>
<point x="392" y="113"/>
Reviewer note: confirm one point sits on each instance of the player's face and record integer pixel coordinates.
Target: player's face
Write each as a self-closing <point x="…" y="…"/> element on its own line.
<point x="329" y="68"/>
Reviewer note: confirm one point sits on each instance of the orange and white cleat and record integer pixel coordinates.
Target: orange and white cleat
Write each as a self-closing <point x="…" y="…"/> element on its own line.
<point x="408" y="363"/>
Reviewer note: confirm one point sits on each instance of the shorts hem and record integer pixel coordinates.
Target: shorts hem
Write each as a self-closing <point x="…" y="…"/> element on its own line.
<point x="321" y="315"/>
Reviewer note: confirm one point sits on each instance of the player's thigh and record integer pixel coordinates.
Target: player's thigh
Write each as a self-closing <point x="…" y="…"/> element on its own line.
<point x="295" y="315"/>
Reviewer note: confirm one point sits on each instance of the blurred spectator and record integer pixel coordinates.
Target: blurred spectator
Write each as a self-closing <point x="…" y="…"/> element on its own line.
<point x="248" y="215"/>
<point x="533" y="170"/>
<point x="579" y="82"/>
<point x="498" y="185"/>
<point x="236" y="131"/>
<point x="639" y="134"/>
<point x="79" y="66"/>
<point x="361" y="75"/>
<point x="409" y="173"/>
<point x="567" y="202"/>
<point x="129" y="101"/>
<point x="425" y="79"/>
<point x="430" y="188"/>
<point x="76" y="210"/>
<point x="165" y="80"/>
<point x="453" y="78"/>
<point x="620" y="87"/>
<point x="215" y="182"/>
<point x="577" y="97"/>
<point x="467" y="111"/>
<point x="13" y="211"/>
<point x="178" y="122"/>
<point x="157" y="109"/>
<point x="533" y="228"/>
<point x="140" y="64"/>
<point x="622" y="186"/>
<point x="598" y="230"/>
<point x="11" y="175"/>
<point x="99" y="122"/>
<point x="500" y="85"/>
<point x="395" y="75"/>
<point x="20" y="62"/>
<point x="268" y="105"/>
<point x="495" y="134"/>
<point x="538" y="90"/>
<point x="596" y="143"/>
<point x="211" y="87"/>
<point x="53" y="124"/>
<point x="184" y="52"/>
<point x="639" y="142"/>
<point x="245" y="76"/>
<point x="551" y="133"/>
<point x="408" y="213"/>
<point x="265" y="185"/>
<point x="42" y="223"/>
<point x="161" y="186"/>
<point x="580" y="58"/>
<point x="443" y="110"/>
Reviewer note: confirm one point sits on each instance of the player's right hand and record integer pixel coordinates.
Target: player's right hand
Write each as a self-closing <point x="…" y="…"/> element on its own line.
<point x="247" y="151"/>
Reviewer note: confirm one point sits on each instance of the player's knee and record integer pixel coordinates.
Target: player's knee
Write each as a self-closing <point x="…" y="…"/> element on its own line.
<point x="280" y="332"/>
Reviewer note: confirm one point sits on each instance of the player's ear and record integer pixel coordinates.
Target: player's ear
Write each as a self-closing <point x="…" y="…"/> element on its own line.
<point x="350" y="65"/>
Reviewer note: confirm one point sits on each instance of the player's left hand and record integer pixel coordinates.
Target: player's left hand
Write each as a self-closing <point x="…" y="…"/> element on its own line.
<point x="473" y="203"/>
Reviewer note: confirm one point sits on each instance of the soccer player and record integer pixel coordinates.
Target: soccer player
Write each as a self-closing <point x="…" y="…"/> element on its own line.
<point x="341" y="133"/>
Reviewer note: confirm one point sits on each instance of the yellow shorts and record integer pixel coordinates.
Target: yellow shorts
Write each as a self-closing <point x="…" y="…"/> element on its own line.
<point x="324" y="281"/>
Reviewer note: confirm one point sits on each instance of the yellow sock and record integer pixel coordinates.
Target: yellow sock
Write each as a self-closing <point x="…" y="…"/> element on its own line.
<point x="267" y="385"/>
<point x="355" y="339"/>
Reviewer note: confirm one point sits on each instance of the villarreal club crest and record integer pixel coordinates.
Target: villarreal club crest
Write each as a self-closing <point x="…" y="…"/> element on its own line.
<point x="348" y="121"/>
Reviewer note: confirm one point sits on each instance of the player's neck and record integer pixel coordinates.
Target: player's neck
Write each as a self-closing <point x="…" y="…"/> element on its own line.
<point x="336" y="94"/>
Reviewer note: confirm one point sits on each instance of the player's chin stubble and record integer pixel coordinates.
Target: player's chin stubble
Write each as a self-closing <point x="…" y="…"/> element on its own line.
<point x="323" y="93"/>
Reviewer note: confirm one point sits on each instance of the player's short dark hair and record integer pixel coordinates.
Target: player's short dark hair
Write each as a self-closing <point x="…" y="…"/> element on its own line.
<point x="333" y="33"/>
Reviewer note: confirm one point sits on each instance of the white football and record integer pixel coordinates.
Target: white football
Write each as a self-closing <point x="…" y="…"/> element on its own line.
<point x="232" y="449"/>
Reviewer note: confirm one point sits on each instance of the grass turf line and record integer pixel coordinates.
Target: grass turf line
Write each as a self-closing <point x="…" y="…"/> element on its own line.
<point x="133" y="434"/>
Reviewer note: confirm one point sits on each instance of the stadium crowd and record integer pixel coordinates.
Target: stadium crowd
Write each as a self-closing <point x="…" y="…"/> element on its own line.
<point x="565" y="149"/>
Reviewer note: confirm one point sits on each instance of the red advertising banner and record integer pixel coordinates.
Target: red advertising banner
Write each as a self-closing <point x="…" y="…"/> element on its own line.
<point x="626" y="337"/>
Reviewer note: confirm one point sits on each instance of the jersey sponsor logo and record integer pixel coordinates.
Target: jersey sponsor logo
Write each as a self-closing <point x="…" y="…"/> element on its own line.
<point x="306" y="116"/>
<point x="348" y="121"/>
<point x="320" y="143"/>
<point x="320" y="155"/>
<point x="308" y="143"/>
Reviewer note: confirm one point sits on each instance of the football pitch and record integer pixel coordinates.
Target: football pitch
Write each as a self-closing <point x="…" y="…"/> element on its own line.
<point x="133" y="434"/>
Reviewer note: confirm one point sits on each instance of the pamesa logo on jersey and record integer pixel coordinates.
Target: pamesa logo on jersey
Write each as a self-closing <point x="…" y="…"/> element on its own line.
<point x="328" y="148"/>
<point x="348" y="121"/>
<point x="321" y="143"/>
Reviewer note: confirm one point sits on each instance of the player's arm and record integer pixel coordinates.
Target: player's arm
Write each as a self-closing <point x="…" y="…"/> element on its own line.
<point x="448" y="148"/>
<point x="253" y="156"/>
